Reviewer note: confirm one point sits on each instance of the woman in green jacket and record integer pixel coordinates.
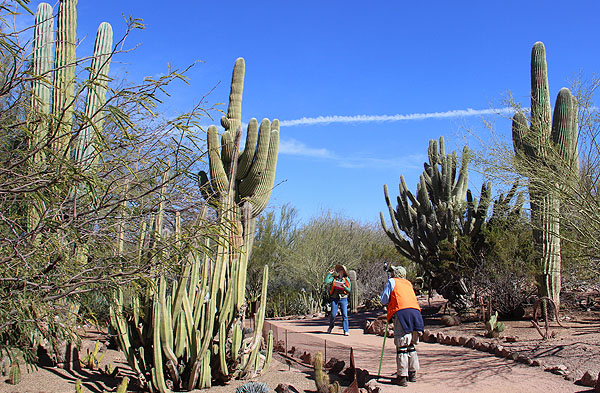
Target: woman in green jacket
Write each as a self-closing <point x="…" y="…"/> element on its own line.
<point x="339" y="288"/>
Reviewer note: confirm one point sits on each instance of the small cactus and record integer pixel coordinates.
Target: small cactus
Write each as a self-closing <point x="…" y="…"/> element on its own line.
<point x="14" y="375"/>
<point x="78" y="386"/>
<point x="123" y="386"/>
<point x="493" y="327"/>
<point x="322" y="379"/>
<point x="253" y="387"/>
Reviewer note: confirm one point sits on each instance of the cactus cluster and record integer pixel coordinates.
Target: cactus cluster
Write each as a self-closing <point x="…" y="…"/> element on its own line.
<point x="546" y="151"/>
<point x="442" y="212"/>
<point x="184" y="334"/>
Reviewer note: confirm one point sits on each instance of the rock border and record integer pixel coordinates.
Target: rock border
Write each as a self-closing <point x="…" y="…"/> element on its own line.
<point x="500" y="351"/>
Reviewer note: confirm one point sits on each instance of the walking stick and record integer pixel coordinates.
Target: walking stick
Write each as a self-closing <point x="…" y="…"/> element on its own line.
<point x="382" y="348"/>
<point x="385" y="265"/>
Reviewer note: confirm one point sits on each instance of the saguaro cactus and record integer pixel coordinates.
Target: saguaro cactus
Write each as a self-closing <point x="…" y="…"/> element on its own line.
<point x="53" y="89"/>
<point x="189" y="332"/>
<point x="546" y="151"/>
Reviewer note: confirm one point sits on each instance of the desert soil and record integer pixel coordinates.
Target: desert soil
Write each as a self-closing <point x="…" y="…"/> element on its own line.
<point x="444" y="368"/>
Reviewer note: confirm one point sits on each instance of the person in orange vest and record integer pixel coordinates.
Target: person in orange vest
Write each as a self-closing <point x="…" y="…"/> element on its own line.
<point x="339" y="288"/>
<point x="403" y="308"/>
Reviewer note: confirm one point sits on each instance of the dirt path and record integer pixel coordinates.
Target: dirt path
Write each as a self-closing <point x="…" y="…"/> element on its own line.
<point x="443" y="368"/>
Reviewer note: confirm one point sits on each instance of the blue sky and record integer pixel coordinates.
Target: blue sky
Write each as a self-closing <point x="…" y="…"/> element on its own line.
<point x="353" y="58"/>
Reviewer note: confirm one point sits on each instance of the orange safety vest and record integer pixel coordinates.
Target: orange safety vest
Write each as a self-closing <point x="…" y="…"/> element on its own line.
<point x="343" y="290"/>
<point x="403" y="296"/>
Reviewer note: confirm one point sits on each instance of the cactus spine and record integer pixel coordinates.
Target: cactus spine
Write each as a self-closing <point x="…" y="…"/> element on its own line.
<point x="546" y="146"/>
<point x="184" y="334"/>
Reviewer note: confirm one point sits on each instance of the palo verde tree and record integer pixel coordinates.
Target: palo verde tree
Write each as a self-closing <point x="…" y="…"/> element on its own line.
<point x="78" y="153"/>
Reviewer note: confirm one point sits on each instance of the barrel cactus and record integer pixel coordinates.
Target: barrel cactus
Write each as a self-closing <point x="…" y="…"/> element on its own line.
<point x="546" y="151"/>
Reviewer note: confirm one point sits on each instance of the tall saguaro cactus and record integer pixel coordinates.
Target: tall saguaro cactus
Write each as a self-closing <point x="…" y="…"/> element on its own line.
<point x="546" y="151"/>
<point x="192" y="329"/>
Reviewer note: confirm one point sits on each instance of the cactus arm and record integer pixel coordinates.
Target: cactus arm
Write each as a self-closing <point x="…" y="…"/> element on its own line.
<point x="96" y="96"/>
<point x="264" y="187"/>
<point x="540" y="100"/>
<point x="219" y="180"/>
<point x="63" y="100"/>
<point x="247" y="156"/>
<point x="251" y="181"/>
<point x="564" y="132"/>
<point x="42" y="64"/>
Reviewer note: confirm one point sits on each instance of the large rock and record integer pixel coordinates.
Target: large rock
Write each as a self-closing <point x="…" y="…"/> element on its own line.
<point x="597" y="384"/>
<point x="377" y="327"/>
<point x="587" y="380"/>
<point x="335" y="366"/>
<point x="285" y="388"/>
<point x="450" y="320"/>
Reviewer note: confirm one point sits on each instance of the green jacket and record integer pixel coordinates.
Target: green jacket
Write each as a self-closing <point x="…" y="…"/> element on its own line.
<point x="335" y="292"/>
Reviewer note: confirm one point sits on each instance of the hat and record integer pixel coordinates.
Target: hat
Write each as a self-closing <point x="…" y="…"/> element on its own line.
<point x="338" y="267"/>
<point x="397" y="271"/>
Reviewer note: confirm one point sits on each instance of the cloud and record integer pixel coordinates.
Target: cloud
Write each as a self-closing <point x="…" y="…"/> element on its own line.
<point x="380" y="118"/>
<point x="297" y="148"/>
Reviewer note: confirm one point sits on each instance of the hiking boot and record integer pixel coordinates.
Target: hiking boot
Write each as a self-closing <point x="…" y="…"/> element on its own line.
<point x="400" y="381"/>
<point x="412" y="376"/>
<point x="329" y="329"/>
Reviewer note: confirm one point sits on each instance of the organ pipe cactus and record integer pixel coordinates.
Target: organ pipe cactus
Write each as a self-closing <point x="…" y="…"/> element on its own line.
<point x="545" y="152"/>
<point x="184" y="334"/>
<point x="438" y="215"/>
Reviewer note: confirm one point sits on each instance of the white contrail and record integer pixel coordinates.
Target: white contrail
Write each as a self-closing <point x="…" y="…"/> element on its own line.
<point x="412" y="116"/>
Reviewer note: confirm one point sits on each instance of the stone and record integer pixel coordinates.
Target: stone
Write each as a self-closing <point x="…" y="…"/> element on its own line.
<point x="450" y="320"/>
<point x="462" y="341"/>
<point x="587" y="380"/>
<point x="535" y="363"/>
<point x="335" y="366"/>
<point x="492" y="348"/>
<point x="511" y="339"/>
<point x="373" y="386"/>
<point x="377" y="327"/>
<point x="285" y="388"/>
<point x="306" y="358"/>
<point x="522" y="359"/>
<point x="559" y="369"/>
<point x="597" y="384"/>
<point x="471" y="343"/>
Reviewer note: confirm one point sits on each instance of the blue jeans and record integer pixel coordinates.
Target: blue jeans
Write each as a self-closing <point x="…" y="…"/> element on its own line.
<point x="343" y="304"/>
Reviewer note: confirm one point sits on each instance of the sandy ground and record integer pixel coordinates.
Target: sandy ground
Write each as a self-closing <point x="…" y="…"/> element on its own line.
<point x="443" y="368"/>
